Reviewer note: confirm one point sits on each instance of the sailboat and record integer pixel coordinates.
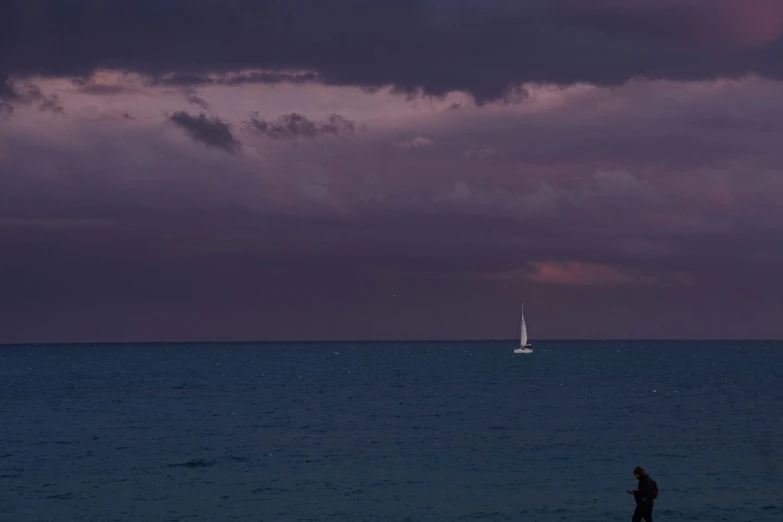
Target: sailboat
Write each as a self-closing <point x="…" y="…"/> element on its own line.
<point x="524" y="347"/>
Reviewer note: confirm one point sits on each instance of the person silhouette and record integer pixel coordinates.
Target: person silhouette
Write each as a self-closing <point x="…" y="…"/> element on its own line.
<point x="645" y="494"/>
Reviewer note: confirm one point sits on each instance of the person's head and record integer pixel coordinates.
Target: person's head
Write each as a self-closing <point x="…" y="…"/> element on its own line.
<point x="639" y="472"/>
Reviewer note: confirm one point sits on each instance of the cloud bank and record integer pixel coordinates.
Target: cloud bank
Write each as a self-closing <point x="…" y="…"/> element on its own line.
<point x="483" y="47"/>
<point x="389" y="169"/>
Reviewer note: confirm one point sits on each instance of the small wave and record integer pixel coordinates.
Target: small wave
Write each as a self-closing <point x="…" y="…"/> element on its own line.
<point x="669" y="455"/>
<point x="62" y="496"/>
<point x="483" y="514"/>
<point x="269" y="490"/>
<point x="195" y="463"/>
<point x="238" y="459"/>
<point x="312" y="429"/>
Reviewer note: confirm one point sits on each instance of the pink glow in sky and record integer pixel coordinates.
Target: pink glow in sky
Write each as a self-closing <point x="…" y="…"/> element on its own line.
<point x="576" y="273"/>
<point x="390" y="169"/>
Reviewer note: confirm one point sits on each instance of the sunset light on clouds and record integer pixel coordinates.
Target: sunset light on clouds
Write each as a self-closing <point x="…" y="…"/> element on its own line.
<point x="223" y="170"/>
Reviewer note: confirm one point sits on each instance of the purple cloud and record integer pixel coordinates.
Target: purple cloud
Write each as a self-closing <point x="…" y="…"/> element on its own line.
<point x="482" y="47"/>
<point x="213" y="132"/>
<point x="292" y="126"/>
<point x="614" y="164"/>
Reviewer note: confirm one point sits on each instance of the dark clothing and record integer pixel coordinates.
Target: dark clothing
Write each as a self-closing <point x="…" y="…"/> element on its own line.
<point x="643" y="495"/>
<point x="643" y="512"/>
<point x="644" y="491"/>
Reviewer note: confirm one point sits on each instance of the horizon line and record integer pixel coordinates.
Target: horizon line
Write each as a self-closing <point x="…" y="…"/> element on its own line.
<point x="387" y="341"/>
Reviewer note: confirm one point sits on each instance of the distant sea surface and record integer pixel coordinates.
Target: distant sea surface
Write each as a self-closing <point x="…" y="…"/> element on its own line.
<point x="418" y="431"/>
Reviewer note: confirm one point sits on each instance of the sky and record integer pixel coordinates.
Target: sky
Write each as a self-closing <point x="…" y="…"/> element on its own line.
<point x="237" y="170"/>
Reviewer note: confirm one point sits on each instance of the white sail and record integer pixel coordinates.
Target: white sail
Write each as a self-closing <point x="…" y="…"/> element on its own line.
<point x="523" y="346"/>
<point x="522" y="330"/>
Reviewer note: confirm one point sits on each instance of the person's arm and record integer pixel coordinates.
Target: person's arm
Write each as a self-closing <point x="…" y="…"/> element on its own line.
<point x="645" y="491"/>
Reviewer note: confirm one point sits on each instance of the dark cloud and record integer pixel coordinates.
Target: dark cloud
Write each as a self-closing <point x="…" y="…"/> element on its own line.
<point x="236" y="78"/>
<point x="6" y="95"/>
<point x="138" y="223"/>
<point x="693" y="23"/>
<point x="213" y="132"/>
<point x="615" y="212"/>
<point x="292" y="126"/>
<point x="89" y="86"/>
<point x="105" y="90"/>
<point x="481" y="46"/>
<point x="196" y="100"/>
<point x="30" y="94"/>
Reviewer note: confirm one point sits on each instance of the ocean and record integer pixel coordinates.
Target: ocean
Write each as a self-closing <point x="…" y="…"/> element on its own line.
<point x="414" y="431"/>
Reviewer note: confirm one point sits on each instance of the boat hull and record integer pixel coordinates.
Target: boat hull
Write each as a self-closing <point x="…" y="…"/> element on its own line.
<point x="524" y="349"/>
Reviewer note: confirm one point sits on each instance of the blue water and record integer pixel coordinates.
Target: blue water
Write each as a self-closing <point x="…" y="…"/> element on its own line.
<point x="390" y="432"/>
